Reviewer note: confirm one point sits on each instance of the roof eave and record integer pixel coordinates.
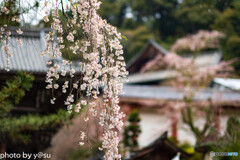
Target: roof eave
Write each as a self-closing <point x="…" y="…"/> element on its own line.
<point x="151" y="42"/>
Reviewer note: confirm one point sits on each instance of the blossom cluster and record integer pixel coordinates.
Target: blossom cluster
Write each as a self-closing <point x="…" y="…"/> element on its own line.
<point x="200" y="41"/>
<point x="102" y="65"/>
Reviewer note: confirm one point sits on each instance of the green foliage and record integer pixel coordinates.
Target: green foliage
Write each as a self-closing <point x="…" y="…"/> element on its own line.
<point x="186" y="147"/>
<point x="136" y="41"/>
<point x="173" y="139"/>
<point x="189" y="149"/>
<point x="134" y="116"/>
<point x="83" y="153"/>
<point x="221" y="5"/>
<point x="132" y="131"/>
<point x="113" y="11"/>
<point x="173" y="19"/>
<point x="229" y="23"/>
<point x="13" y="91"/>
<point x="196" y="156"/>
<point x="194" y="16"/>
<point x="129" y="24"/>
<point x="17" y="128"/>
<point x="230" y="142"/>
<point x="158" y="15"/>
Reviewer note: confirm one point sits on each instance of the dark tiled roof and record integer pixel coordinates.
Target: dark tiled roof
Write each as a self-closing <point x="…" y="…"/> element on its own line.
<point x="28" y="57"/>
<point x="161" y="147"/>
<point x="169" y="93"/>
<point x="150" y="43"/>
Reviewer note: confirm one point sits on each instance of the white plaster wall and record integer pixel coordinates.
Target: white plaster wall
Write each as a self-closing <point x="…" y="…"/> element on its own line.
<point x="154" y="124"/>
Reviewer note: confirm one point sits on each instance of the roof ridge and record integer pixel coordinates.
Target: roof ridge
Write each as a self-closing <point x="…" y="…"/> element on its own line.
<point x="150" y="42"/>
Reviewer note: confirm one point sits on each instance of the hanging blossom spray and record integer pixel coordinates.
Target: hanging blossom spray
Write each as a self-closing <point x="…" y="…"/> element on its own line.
<point x="102" y="65"/>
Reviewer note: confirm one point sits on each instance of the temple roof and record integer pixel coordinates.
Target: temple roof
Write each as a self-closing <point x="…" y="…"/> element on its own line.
<point x="148" y="53"/>
<point x="28" y="57"/>
<point x="160" y="148"/>
<point x="170" y="93"/>
<point x="152" y="50"/>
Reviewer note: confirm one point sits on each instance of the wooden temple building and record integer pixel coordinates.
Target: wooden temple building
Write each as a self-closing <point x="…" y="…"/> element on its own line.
<point x="150" y="93"/>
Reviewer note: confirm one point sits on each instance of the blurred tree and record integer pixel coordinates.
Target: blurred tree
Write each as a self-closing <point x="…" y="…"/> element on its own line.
<point x="114" y="11"/>
<point x="132" y="131"/>
<point x="129" y="24"/>
<point x="13" y="91"/>
<point x="188" y="116"/>
<point x="137" y="34"/>
<point x="136" y="40"/>
<point x="221" y="5"/>
<point x="230" y="141"/>
<point x="194" y="15"/>
<point x="158" y="15"/>
<point x="229" y="23"/>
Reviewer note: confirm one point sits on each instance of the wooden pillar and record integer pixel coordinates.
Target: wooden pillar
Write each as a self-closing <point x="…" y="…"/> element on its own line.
<point x="174" y="126"/>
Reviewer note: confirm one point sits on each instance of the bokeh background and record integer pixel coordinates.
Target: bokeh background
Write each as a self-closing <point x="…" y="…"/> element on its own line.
<point x="182" y="95"/>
